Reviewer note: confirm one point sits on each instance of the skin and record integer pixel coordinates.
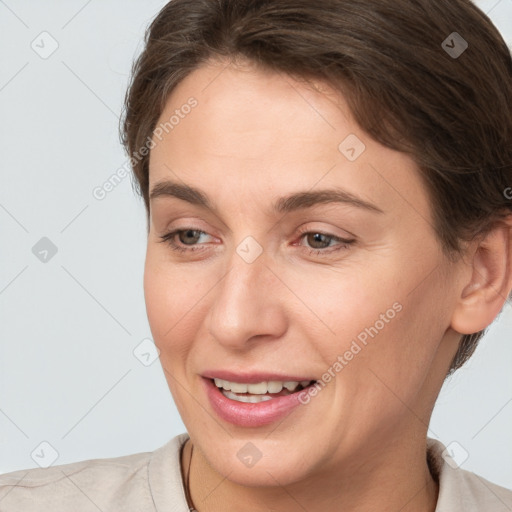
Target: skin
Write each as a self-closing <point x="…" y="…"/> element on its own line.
<point x="360" y="444"/>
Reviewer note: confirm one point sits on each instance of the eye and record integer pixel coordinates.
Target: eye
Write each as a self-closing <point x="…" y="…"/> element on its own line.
<point x="321" y="242"/>
<point x="189" y="237"/>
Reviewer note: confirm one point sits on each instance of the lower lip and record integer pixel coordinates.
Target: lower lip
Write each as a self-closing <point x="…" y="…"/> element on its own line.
<point x="248" y="414"/>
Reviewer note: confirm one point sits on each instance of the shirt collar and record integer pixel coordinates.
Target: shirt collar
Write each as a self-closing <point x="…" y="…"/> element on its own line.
<point x="461" y="490"/>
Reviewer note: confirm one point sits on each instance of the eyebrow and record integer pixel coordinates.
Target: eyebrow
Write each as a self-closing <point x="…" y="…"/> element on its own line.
<point x="292" y="202"/>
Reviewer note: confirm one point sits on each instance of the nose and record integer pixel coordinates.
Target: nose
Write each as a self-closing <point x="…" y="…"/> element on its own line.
<point x="247" y="304"/>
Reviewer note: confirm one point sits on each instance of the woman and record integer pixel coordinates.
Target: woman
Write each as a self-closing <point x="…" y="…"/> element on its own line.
<point x="306" y="374"/>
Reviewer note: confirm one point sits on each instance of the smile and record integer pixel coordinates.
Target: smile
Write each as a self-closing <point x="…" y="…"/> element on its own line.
<point x="259" y="392"/>
<point x="257" y="403"/>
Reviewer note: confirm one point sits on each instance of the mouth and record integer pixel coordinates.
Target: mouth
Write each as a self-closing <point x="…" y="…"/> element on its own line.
<point x="257" y="403"/>
<point x="261" y="391"/>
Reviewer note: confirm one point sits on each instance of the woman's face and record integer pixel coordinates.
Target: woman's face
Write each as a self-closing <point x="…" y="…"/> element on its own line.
<point x="264" y="284"/>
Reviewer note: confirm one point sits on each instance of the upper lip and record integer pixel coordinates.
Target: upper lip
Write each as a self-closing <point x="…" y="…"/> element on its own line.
<point x="253" y="377"/>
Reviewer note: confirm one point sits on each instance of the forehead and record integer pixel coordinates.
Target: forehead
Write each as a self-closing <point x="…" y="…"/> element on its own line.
<point x="252" y="107"/>
<point x="251" y="127"/>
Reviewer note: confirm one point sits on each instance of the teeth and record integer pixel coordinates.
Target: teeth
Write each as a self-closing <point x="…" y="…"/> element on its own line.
<point x="238" y="388"/>
<point x="273" y="386"/>
<point x="260" y="388"/>
<point x="291" y="386"/>
<point x="252" y="399"/>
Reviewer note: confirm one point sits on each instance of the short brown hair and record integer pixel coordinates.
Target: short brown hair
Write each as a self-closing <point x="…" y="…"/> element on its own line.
<point x="390" y="59"/>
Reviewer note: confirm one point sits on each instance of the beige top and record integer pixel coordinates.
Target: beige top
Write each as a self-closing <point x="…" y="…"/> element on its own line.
<point x="151" y="481"/>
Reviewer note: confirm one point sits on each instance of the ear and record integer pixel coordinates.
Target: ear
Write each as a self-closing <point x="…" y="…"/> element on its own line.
<point x="483" y="296"/>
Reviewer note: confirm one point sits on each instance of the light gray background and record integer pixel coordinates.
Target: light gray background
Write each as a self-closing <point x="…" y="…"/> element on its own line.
<point x="68" y="327"/>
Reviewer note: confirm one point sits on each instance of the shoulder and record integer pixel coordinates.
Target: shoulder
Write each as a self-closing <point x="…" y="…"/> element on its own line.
<point x="463" y="490"/>
<point x="119" y="483"/>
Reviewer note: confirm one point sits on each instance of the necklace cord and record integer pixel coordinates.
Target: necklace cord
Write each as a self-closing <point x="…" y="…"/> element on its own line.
<point x="190" y="504"/>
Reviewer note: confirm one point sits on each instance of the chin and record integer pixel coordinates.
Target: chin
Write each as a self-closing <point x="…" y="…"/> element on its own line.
<point x="278" y="468"/>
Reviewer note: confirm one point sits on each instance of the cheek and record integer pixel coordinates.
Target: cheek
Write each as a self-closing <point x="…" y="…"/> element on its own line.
<point x="165" y="298"/>
<point x="176" y="299"/>
<point x="167" y="292"/>
<point x="375" y="319"/>
<point x="160" y="300"/>
<point x="342" y="302"/>
<point x="395" y="357"/>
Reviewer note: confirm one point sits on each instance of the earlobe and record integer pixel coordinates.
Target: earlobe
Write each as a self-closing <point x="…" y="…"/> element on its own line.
<point x="483" y="296"/>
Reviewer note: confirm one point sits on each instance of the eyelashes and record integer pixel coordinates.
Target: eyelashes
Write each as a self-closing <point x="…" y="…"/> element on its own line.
<point x="170" y="240"/>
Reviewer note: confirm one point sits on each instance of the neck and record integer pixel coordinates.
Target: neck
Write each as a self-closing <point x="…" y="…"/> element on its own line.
<point x="395" y="478"/>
